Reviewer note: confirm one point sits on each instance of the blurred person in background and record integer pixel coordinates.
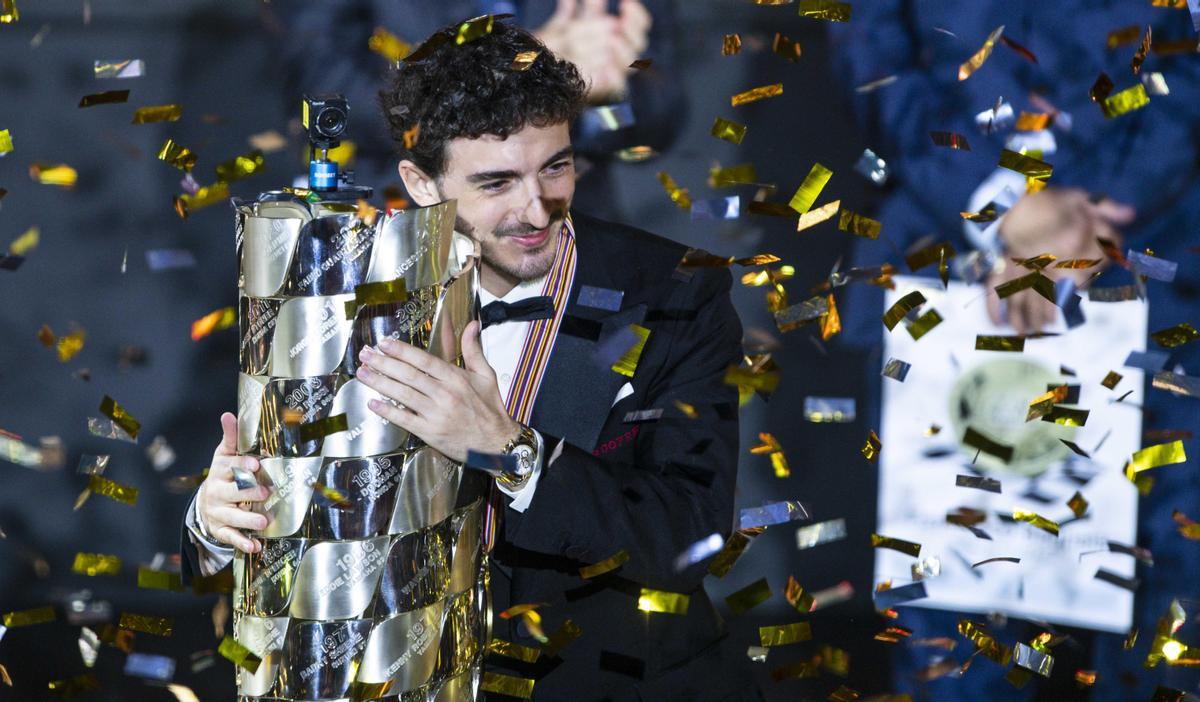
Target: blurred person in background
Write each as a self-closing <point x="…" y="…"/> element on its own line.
<point x="1131" y="176"/>
<point x="324" y="48"/>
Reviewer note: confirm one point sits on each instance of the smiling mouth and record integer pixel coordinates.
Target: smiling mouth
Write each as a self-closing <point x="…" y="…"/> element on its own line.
<point x="533" y="239"/>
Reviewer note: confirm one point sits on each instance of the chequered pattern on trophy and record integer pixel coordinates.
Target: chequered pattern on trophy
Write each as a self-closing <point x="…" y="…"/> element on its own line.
<point x="372" y="582"/>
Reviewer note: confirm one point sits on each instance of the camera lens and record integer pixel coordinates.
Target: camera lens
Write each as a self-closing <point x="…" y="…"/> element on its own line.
<point x="331" y="122"/>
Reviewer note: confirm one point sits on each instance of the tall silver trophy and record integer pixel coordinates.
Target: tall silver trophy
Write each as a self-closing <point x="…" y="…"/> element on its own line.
<point x="372" y="582"/>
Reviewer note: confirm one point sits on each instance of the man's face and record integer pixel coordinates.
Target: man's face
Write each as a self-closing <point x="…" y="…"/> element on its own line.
<point x="512" y="196"/>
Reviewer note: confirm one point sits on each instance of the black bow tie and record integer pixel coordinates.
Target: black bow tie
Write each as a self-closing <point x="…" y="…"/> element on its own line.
<point x="526" y="310"/>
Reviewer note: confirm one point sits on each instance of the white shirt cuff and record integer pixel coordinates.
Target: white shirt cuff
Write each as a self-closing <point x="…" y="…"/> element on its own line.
<point x="212" y="558"/>
<point x="524" y="496"/>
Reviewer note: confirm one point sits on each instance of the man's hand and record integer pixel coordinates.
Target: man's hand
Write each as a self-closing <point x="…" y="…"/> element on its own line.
<point x="1060" y="221"/>
<point x="450" y="408"/>
<point x="224" y="509"/>
<point x="601" y="45"/>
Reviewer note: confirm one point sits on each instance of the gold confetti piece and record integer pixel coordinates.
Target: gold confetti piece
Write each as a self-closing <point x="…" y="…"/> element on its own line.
<point x="973" y="64"/>
<point x="1128" y="100"/>
<point x="1111" y="380"/>
<point x="178" y="156"/>
<point x="151" y="579"/>
<point x="312" y="431"/>
<point x="388" y="45"/>
<point x="662" y="601"/>
<point x="108" y="97"/>
<point x="678" y="195"/>
<point x="1155" y="457"/>
<point x="1033" y="121"/>
<point x="1175" y="336"/>
<point x="906" y="547"/>
<point x="1086" y="678"/>
<point x="800" y="669"/>
<point x="634" y="154"/>
<point x="1036" y="520"/>
<point x="952" y="140"/>
<point x="1078" y="504"/>
<point x="158" y="626"/>
<point x="6" y="145"/>
<point x="765" y="381"/>
<point x="523" y="61"/>
<point x="1027" y="166"/>
<point x="728" y="131"/>
<point x="1066" y="416"/>
<point x="641" y="64"/>
<point x="507" y="685"/>
<point x="74" y="686"/>
<point x="859" y="225"/>
<point x="118" y="414"/>
<point x="829" y="10"/>
<point x="924" y="324"/>
<point x="112" y="489"/>
<point x="25" y="243"/>
<point x="96" y="564"/>
<point x="157" y="113"/>
<point x="784" y="634"/>
<point x="872" y="447"/>
<point x="997" y="559"/>
<point x="814" y="217"/>
<point x="627" y="364"/>
<point x="734" y="547"/>
<point x="238" y="654"/>
<point x="607" y="565"/>
<point x="797" y="597"/>
<point x="208" y="195"/>
<point x="831" y="321"/>
<point x="810" y="190"/>
<point x="731" y="44"/>
<point x="1036" y="263"/>
<point x="1078" y="263"/>
<point x="985" y="642"/>
<point x="4" y="676"/>
<point x="928" y="255"/>
<point x="900" y="308"/>
<point x="28" y="617"/>
<point x="785" y="48"/>
<point x="753" y="594"/>
<point x="474" y="29"/>
<point x="67" y="347"/>
<point x="843" y="694"/>
<point x="743" y="173"/>
<point x="756" y="94"/>
<point x="509" y="649"/>
<point x="561" y="638"/>
<point x="382" y="293"/>
<point x="770" y="446"/>
<point x="8" y="12"/>
<point x="58" y="174"/>
<point x="216" y="320"/>
<point x="999" y="343"/>
<point x="240" y="167"/>
<point x="1139" y="56"/>
<point x="1042" y="404"/>
<point x="1123" y="36"/>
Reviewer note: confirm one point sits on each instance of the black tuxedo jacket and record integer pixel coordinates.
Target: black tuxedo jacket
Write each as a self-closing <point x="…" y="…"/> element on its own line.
<point x="651" y="488"/>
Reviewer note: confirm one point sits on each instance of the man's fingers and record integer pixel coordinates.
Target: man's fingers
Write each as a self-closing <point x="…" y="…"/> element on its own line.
<point x="1115" y="212"/>
<point x="239" y="518"/>
<point x="421" y="360"/>
<point x="593" y="8"/>
<point x="403" y="418"/>
<point x="563" y="12"/>
<point x="395" y="390"/>
<point x="229" y="435"/>
<point x="993" y="306"/>
<point x="237" y="539"/>
<point x="396" y="369"/>
<point x="472" y="348"/>
<point x="635" y="23"/>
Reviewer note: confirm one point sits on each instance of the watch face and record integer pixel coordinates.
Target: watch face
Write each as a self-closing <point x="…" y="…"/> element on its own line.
<point x="524" y="454"/>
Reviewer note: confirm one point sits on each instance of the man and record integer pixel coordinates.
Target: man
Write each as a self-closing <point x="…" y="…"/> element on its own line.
<point x="1104" y="185"/>
<point x="497" y="141"/>
<point x="324" y="48"/>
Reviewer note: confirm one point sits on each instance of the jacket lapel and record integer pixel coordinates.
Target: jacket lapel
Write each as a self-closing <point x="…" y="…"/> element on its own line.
<point x="578" y="389"/>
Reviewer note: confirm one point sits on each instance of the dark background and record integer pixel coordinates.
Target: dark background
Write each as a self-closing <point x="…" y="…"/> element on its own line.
<point x="219" y="61"/>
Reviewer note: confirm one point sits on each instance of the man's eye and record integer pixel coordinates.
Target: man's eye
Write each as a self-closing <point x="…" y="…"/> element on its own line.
<point x="558" y="167"/>
<point x="494" y="187"/>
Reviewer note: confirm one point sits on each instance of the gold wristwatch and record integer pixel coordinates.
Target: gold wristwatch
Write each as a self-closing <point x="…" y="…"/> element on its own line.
<point x="524" y="446"/>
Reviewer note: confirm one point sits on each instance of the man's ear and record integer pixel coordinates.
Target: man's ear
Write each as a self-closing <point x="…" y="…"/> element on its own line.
<point x="421" y="187"/>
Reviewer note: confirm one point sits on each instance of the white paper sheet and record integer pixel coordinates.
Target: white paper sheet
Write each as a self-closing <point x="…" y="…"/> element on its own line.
<point x="1053" y="582"/>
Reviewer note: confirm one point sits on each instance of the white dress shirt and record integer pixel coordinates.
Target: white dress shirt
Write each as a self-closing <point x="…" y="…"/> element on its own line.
<point x="502" y="344"/>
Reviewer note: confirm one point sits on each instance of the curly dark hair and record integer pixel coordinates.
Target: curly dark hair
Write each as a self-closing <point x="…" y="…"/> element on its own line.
<point x="469" y="90"/>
